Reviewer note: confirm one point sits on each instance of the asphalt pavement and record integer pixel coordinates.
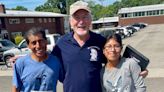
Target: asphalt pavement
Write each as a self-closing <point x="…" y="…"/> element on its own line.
<point x="154" y="84"/>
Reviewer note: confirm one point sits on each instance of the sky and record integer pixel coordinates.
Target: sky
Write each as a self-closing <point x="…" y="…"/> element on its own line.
<point x="32" y="4"/>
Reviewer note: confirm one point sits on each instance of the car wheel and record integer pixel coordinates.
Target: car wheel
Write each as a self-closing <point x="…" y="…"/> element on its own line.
<point x="122" y="36"/>
<point x="129" y="34"/>
<point x="7" y="61"/>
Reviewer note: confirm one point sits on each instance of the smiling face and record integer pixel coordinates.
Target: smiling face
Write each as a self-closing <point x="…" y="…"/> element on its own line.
<point x="80" y="22"/>
<point x="38" y="45"/>
<point x="112" y="50"/>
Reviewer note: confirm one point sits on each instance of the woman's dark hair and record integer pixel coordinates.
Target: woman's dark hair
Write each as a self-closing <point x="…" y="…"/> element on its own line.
<point x="117" y="37"/>
<point x="35" y="31"/>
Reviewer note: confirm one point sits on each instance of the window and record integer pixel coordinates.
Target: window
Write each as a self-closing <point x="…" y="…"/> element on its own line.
<point x="142" y="13"/>
<point x="125" y="15"/>
<point x="14" y="21"/>
<point x="45" y="20"/>
<point x="129" y="14"/>
<point x="49" y="19"/>
<point x="53" y="19"/>
<point x="154" y="12"/>
<point x="139" y="13"/>
<point x="29" y="20"/>
<point x="158" y="12"/>
<point x="122" y="15"/>
<point x="40" y="20"/>
<point x="149" y="13"/>
<point x="162" y="12"/>
<point x="48" y="40"/>
<point x="24" y="45"/>
<point x="135" y="14"/>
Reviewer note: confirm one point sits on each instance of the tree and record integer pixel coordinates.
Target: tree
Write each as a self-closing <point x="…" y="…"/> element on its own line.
<point x="61" y="6"/>
<point x="49" y="6"/>
<point x="98" y="11"/>
<point x="132" y="3"/>
<point x="21" y="8"/>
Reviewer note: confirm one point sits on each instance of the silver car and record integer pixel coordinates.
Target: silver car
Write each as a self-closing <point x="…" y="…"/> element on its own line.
<point x="22" y="48"/>
<point x="4" y="46"/>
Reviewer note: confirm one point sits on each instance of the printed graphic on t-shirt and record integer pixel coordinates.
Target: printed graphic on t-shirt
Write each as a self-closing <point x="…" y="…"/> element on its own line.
<point x="93" y="53"/>
<point x="40" y="82"/>
<point x="115" y="87"/>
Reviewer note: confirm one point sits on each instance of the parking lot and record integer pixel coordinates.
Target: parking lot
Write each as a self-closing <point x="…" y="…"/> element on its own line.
<point x="149" y="41"/>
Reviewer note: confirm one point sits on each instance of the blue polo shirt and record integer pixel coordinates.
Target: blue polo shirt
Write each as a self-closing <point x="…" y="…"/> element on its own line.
<point x="82" y="65"/>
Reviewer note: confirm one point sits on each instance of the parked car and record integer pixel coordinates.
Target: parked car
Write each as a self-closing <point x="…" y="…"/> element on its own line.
<point x="131" y="28"/>
<point x="22" y="48"/>
<point x="105" y="32"/>
<point x="120" y="32"/>
<point x="4" y="46"/>
<point x="126" y="32"/>
<point x="140" y="25"/>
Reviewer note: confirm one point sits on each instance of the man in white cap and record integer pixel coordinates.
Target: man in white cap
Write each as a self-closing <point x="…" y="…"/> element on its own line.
<point x="80" y="52"/>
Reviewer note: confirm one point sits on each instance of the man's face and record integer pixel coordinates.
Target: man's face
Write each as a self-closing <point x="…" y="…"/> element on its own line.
<point x="38" y="45"/>
<point x="80" y="22"/>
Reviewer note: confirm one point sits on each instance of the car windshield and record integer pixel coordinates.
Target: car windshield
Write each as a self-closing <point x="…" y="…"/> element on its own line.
<point x="6" y="43"/>
<point x="48" y="40"/>
<point x="56" y="37"/>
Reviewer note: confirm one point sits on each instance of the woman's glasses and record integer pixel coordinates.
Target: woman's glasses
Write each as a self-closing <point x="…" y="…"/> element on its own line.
<point x="114" y="47"/>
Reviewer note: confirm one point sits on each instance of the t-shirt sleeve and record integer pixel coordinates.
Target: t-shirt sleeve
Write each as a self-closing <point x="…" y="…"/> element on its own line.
<point x="17" y="74"/>
<point x="61" y="75"/>
<point x="138" y="80"/>
<point x="101" y="78"/>
<point x="57" y="52"/>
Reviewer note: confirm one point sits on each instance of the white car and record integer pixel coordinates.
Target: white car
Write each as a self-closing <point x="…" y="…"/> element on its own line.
<point x="22" y="48"/>
<point x="125" y="31"/>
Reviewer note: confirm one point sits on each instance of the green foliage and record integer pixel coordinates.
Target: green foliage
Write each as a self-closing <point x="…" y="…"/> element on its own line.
<point x="98" y="11"/>
<point x="132" y="3"/>
<point x="49" y="6"/>
<point x="57" y="6"/>
<point x="18" y="39"/>
<point x="21" y="8"/>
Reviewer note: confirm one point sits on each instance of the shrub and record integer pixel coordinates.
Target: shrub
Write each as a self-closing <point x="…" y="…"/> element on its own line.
<point x="18" y="39"/>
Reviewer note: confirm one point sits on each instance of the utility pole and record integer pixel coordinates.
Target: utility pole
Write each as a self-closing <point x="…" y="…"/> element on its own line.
<point x="67" y="7"/>
<point x="103" y="14"/>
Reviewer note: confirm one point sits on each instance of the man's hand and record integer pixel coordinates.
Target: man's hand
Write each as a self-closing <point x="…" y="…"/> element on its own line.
<point x="13" y="59"/>
<point x="144" y="73"/>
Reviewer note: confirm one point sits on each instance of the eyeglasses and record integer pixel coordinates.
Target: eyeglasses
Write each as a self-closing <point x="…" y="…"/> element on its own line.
<point x="110" y="47"/>
<point x="86" y="17"/>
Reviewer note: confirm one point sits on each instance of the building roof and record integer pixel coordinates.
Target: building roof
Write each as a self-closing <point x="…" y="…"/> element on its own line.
<point x="142" y="8"/>
<point x="106" y="20"/>
<point x="13" y="13"/>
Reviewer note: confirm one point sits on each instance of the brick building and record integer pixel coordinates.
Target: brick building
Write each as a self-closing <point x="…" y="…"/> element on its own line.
<point x="14" y="23"/>
<point x="150" y="14"/>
